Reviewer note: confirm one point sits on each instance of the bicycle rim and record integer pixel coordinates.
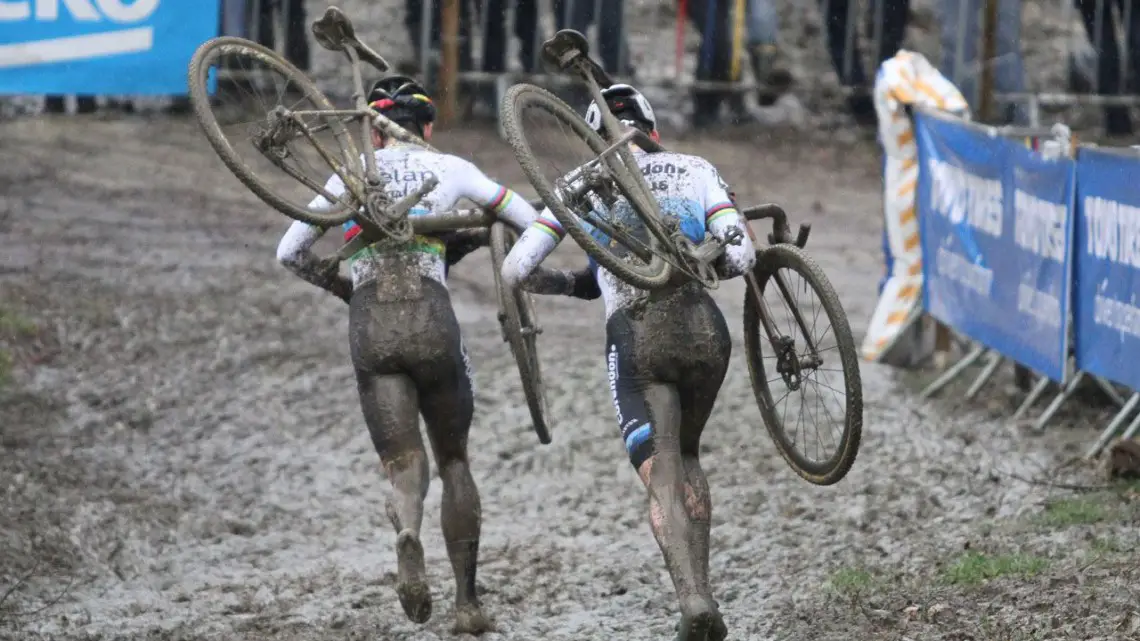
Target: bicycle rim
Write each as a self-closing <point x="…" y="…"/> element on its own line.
<point x="525" y="101"/>
<point x="818" y="390"/>
<point x="517" y="315"/>
<point x="243" y="69"/>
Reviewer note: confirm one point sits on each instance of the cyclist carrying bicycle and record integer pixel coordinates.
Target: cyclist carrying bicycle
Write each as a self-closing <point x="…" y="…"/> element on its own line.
<point x="406" y="346"/>
<point x="667" y="357"/>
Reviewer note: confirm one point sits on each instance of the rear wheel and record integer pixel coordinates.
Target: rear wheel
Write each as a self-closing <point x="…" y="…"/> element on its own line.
<point x="811" y="373"/>
<point x="268" y="151"/>
<point x="520" y="329"/>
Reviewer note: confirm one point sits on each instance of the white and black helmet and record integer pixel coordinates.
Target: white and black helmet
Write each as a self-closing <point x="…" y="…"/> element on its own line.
<point x="625" y="103"/>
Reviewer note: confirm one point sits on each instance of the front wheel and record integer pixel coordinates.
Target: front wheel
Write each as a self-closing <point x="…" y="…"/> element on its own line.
<point x="812" y="372"/>
<point x="271" y="154"/>
<point x="520" y="328"/>
<point x="625" y="238"/>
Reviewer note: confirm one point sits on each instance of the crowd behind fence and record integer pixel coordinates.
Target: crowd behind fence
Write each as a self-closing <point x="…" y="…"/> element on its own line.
<point x="740" y="51"/>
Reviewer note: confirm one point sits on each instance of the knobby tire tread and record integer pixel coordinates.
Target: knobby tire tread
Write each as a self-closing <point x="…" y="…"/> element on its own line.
<point x="517" y="98"/>
<point x="515" y="306"/>
<point x="200" y="99"/>
<point x="768" y="262"/>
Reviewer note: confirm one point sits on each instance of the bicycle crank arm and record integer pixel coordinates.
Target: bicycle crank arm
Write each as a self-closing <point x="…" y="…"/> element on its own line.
<point x="405" y="204"/>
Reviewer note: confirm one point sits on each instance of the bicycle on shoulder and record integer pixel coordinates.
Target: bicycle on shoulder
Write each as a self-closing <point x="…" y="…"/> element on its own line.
<point x="599" y="193"/>
<point x="283" y="144"/>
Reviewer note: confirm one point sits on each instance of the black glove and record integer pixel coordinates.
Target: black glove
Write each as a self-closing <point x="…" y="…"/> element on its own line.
<point x="584" y="285"/>
<point x="341" y="287"/>
<point x="460" y="243"/>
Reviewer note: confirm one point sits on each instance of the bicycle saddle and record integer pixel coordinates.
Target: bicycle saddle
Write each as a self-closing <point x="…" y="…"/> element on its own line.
<point x="564" y="48"/>
<point x="333" y="29"/>
<point x="568" y="49"/>
<point x="334" y="32"/>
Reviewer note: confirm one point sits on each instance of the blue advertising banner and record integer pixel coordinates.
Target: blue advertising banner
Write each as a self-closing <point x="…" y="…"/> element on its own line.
<point x="95" y="47"/>
<point x="996" y="231"/>
<point x="1107" y="247"/>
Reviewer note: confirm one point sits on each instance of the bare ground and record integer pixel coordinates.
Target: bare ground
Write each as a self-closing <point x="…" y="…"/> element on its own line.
<point x="183" y="456"/>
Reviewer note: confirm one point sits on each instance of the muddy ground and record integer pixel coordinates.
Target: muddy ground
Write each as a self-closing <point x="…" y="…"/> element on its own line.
<point x="184" y="457"/>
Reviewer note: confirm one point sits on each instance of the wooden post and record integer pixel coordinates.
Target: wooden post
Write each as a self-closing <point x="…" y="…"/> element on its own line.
<point x="449" y="67"/>
<point x="989" y="57"/>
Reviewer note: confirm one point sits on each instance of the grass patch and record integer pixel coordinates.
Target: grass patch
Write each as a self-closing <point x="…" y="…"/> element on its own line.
<point x="16" y="325"/>
<point x="851" y="581"/>
<point x="1107" y="545"/>
<point x="975" y="567"/>
<point x="5" y="368"/>
<point x="1077" y="511"/>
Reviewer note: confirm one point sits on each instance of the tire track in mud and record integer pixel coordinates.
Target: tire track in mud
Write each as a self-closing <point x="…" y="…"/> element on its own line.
<point x="215" y="478"/>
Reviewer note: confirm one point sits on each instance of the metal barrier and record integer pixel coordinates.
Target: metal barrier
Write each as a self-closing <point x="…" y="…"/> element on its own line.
<point x="1077" y="360"/>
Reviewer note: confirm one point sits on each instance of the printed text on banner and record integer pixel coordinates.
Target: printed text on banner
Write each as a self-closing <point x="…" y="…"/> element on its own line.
<point x="97" y="47"/>
<point x="1107" y="247"/>
<point x="996" y="231"/>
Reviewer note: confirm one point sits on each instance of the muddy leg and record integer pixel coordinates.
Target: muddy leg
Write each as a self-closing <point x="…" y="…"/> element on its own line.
<point x="698" y="392"/>
<point x="389" y="403"/>
<point x="664" y="475"/>
<point x="447" y="407"/>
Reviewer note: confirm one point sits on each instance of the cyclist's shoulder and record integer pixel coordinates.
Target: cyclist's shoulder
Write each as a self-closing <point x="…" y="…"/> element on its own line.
<point x="689" y="162"/>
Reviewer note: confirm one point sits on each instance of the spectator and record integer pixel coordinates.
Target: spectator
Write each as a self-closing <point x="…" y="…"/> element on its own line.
<point x="296" y="30"/>
<point x="838" y="20"/>
<point x="413" y="20"/>
<point x="1101" y="29"/>
<point x="612" y="43"/>
<point x="714" y="62"/>
<point x="960" y="21"/>
<point x="763" y="50"/>
<point x="495" y="34"/>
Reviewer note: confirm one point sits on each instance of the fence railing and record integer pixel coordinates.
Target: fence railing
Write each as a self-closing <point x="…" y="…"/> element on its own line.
<point x="1035" y="256"/>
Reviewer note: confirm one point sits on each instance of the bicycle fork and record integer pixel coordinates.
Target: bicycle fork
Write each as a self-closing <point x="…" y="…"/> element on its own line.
<point x="788" y="363"/>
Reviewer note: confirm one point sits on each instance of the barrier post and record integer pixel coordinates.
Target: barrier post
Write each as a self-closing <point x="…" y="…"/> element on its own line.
<point x="989" y="56"/>
<point x="954" y="371"/>
<point x="1114" y="425"/>
<point x="449" y="67"/>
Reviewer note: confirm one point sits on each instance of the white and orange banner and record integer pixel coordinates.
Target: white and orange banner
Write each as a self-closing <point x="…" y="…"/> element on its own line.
<point x="906" y="79"/>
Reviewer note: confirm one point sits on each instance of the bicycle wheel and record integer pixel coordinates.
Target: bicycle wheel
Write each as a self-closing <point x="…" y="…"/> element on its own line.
<point x="799" y="366"/>
<point x="616" y="251"/>
<point x="520" y="329"/>
<point x="281" y="185"/>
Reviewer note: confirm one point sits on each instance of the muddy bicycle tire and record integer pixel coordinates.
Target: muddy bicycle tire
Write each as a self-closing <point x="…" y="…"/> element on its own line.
<point x="517" y="100"/>
<point x="198" y="78"/>
<point x="516" y="315"/>
<point x="768" y="262"/>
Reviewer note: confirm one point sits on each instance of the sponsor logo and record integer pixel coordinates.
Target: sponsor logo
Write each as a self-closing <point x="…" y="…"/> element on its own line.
<point x="128" y="37"/>
<point x="611" y="366"/>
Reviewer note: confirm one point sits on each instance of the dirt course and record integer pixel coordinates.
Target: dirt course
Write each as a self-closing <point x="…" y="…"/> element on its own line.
<point x="184" y="457"/>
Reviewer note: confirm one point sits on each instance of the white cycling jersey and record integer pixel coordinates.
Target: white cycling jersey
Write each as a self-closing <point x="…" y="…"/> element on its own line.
<point x="405" y="168"/>
<point x="687" y="188"/>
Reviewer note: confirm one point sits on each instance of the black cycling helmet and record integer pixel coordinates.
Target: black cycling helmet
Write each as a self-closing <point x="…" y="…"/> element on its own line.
<point x="625" y="103"/>
<point x="402" y="100"/>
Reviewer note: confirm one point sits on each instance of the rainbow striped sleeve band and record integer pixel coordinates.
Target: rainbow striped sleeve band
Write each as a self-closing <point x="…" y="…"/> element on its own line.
<point x="501" y="200"/>
<point x="718" y="210"/>
<point x="550" y="227"/>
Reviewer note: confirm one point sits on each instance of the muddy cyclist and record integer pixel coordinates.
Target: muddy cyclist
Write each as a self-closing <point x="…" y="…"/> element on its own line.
<point x="666" y="356"/>
<point x="406" y="347"/>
